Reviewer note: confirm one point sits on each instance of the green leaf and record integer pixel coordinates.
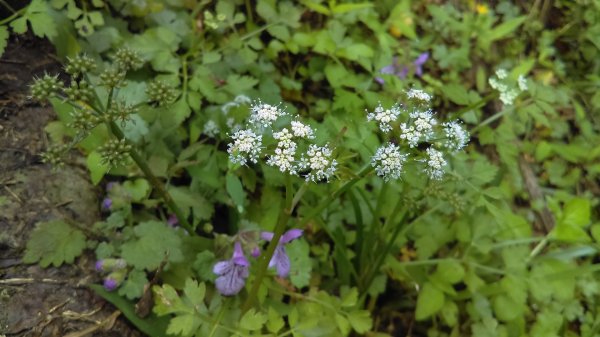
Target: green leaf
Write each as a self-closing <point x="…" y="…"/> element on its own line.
<point x="274" y="321"/>
<point x="3" y="38"/>
<point x="133" y="287"/>
<point x="235" y="191"/>
<point x="577" y="212"/>
<point x="152" y="326"/>
<point x="301" y="266"/>
<point x="456" y="93"/>
<point x="55" y="243"/>
<point x="187" y="200"/>
<point x="138" y="189"/>
<point x="183" y="325"/>
<point x="96" y="167"/>
<point x="505" y="28"/>
<point x="350" y="298"/>
<point x="360" y="320"/>
<point x="430" y="301"/>
<point x="204" y="263"/>
<point x="253" y="320"/>
<point x="19" y="25"/>
<point x="450" y="271"/>
<point x="155" y="240"/>
<point x="194" y="291"/>
<point x="342" y="324"/>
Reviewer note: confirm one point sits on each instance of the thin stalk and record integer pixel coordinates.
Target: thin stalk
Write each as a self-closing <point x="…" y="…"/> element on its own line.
<point x="324" y="204"/>
<point x="13" y="16"/>
<point x="263" y="263"/>
<point x="158" y="185"/>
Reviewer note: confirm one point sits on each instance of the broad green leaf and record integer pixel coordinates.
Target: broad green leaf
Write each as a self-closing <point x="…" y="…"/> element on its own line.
<point x="183" y="325"/>
<point x="54" y="242"/>
<point x="507" y="27"/>
<point x="253" y="320"/>
<point x="360" y="320"/>
<point x="301" y="265"/>
<point x="133" y="286"/>
<point x="429" y="302"/>
<point x="456" y="93"/>
<point x="138" y="189"/>
<point x="154" y="242"/>
<point x="194" y="291"/>
<point x="450" y="271"/>
<point x="235" y="191"/>
<point x="577" y="212"/>
<point x="342" y="324"/>
<point x="96" y="167"/>
<point x="350" y="298"/>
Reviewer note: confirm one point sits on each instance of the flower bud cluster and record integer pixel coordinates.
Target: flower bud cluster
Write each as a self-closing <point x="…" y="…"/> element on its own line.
<point x="53" y="155"/>
<point x="79" y="91"/>
<point x="508" y="87"/>
<point x="115" y="152"/>
<point x="79" y="65"/>
<point x="128" y="59"/>
<point x="112" y="77"/>
<point x="84" y="120"/>
<point x="419" y="127"/>
<point x="160" y="93"/>
<point x="45" y="87"/>
<point x="120" y="111"/>
<point x="292" y="152"/>
<point x="116" y="270"/>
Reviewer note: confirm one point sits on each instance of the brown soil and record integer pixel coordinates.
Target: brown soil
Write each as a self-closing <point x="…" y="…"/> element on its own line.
<point x="36" y="301"/>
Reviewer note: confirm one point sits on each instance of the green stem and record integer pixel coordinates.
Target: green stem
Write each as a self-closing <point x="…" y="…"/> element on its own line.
<point x="13" y="16"/>
<point x="158" y="185"/>
<point x="324" y="204"/>
<point x="263" y="263"/>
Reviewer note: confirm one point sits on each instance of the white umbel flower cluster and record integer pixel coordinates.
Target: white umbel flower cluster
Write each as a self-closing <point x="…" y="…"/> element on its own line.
<point x="388" y="162"/>
<point x="284" y="155"/>
<point x="246" y="147"/>
<point x="319" y="163"/>
<point x="384" y="117"/>
<point x="509" y="90"/>
<point x="456" y="136"/>
<point x="418" y="95"/>
<point x="211" y="129"/>
<point x="435" y="164"/>
<point x="264" y="115"/>
<point x="302" y="131"/>
<point x="420" y="128"/>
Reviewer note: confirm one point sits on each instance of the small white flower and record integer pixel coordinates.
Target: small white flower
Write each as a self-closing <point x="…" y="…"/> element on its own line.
<point x="211" y="129"/>
<point x="388" y="162"/>
<point x="302" y="130"/>
<point x="246" y="147"/>
<point x="421" y="127"/>
<point x="456" y="136"/>
<point x="319" y="163"/>
<point x="507" y="96"/>
<point x="435" y="164"/>
<point x="522" y="82"/>
<point x="501" y="73"/>
<point x="384" y="117"/>
<point x="283" y="158"/>
<point x="419" y="95"/>
<point x="263" y="114"/>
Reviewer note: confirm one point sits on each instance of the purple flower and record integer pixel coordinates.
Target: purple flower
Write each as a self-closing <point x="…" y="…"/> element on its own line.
<point x="172" y="220"/>
<point x="421" y="59"/>
<point x="232" y="273"/>
<point x="110" y="283"/>
<point x="110" y="186"/>
<point x="280" y="259"/>
<point x="255" y="252"/>
<point x="392" y="69"/>
<point x="99" y="265"/>
<point x="106" y="203"/>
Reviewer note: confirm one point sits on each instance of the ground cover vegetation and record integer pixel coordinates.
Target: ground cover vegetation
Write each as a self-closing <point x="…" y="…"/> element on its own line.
<point x="311" y="168"/>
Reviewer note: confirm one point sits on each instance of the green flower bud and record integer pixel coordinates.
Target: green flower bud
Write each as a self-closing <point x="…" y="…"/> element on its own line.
<point x="115" y="152"/>
<point x="128" y="59"/>
<point x="53" y="155"/>
<point x="84" y="120"/>
<point x="112" y="77"/>
<point x="79" y="65"/>
<point x="120" y="111"/>
<point x="45" y="87"/>
<point x="160" y="93"/>
<point x="79" y="91"/>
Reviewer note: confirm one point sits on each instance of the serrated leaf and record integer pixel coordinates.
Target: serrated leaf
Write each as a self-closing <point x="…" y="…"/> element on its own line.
<point x="301" y="266"/>
<point x="430" y="301"/>
<point x="133" y="286"/>
<point x="342" y="324"/>
<point x="253" y="320"/>
<point x="183" y="325"/>
<point x="360" y="320"/>
<point x="154" y="241"/>
<point x="274" y="321"/>
<point x="19" y="25"/>
<point x="54" y="242"/>
<point x="194" y="292"/>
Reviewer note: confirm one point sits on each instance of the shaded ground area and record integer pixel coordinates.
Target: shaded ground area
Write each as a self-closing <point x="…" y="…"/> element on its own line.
<point x="36" y="301"/>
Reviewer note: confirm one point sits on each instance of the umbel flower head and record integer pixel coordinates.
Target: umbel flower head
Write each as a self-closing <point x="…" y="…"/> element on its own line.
<point x="232" y="273"/>
<point x="419" y="128"/>
<point x="292" y="153"/>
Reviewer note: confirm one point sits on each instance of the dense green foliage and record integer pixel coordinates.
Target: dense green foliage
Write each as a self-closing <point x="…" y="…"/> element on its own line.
<point x="505" y="244"/>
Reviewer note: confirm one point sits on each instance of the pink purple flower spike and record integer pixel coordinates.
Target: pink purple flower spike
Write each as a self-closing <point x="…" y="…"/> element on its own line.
<point x="232" y="273"/>
<point x="280" y="259"/>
